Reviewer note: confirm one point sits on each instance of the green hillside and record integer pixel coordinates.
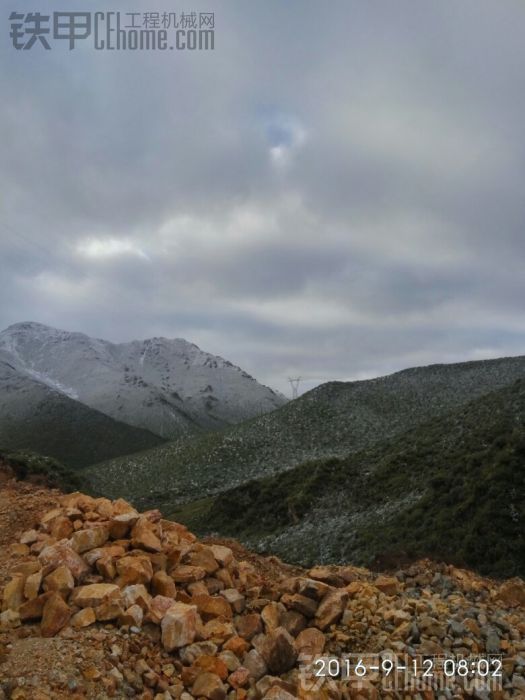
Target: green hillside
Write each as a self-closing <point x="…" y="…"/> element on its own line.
<point x="453" y="489"/>
<point x="331" y="421"/>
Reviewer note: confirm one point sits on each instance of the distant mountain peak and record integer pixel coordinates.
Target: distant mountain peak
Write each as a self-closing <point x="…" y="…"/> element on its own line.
<point x="156" y="383"/>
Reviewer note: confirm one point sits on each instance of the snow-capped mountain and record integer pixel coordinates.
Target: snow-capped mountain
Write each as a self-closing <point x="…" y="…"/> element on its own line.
<point x="167" y="386"/>
<point x="36" y="417"/>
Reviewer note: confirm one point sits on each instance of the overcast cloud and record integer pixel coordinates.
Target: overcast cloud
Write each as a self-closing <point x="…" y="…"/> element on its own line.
<point x="336" y="191"/>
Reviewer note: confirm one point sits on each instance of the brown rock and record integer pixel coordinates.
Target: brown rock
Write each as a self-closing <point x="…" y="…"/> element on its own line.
<point x="211" y="664"/>
<point x="326" y="575"/>
<point x="210" y="686"/>
<point x="158" y="607"/>
<point x="84" y="540"/>
<point x="162" y="584"/>
<point x="311" y="588"/>
<point x="110" y="550"/>
<point x="255" y="664"/>
<point x="212" y="606"/>
<point x="34" y="608"/>
<point x="237" y="645"/>
<point x="248" y="626"/>
<point x="137" y="594"/>
<point x="310" y="642"/>
<point x="60" y="554"/>
<point x="20" y="550"/>
<point x="104" y="507"/>
<point x="179" y="626"/>
<point x="84" y="618"/>
<point x="109" y="609"/>
<point x="278" y="651"/>
<point x="94" y="594"/>
<point x="55" y="615"/>
<point x="217" y="630"/>
<point x="28" y="537"/>
<point x="26" y="568"/>
<point x="32" y="585"/>
<point x="235" y="599"/>
<point x="240" y="678"/>
<point x="9" y="619"/>
<point x="143" y="536"/>
<point x="223" y="555"/>
<point x="203" y="557"/>
<point x="185" y="573"/>
<point x="14" y="593"/>
<point x="60" y="580"/>
<point x="225" y="576"/>
<point x="133" y="616"/>
<point x="387" y="585"/>
<point x="278" y="693"/>
<point x="134" y="569"/>
<point x="272" y="614"/>
<point x="61" y="528"/>
<point x="512" y="593"/>
<point x="293" y="622"/>
<point x="331" y="608"/>
<point x="306" y="606"/>
<point x="49" y="516"/>
<point x="106" y="567"/>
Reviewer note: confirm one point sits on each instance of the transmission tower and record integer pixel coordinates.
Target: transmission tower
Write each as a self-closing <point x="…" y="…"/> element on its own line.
<point x="294" y="383"/>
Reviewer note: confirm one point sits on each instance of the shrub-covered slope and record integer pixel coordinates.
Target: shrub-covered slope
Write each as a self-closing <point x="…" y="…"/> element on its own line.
<point x="453" y="489"/>
<point x="333" y="420"/>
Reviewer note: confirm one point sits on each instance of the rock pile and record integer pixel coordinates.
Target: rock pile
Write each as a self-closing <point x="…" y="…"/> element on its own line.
<point x="220" y="629"/>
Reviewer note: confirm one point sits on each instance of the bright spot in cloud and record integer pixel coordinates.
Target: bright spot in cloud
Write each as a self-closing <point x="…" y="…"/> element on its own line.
<point x="104" y="248"/>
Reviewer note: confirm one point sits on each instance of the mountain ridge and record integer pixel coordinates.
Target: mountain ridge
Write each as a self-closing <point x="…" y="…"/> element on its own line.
<point x="170" y="387"/>
<point x="331" y="420"/>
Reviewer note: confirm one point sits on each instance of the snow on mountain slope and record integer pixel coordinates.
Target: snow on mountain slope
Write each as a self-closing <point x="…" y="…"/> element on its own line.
<point x="167" y="386"/>
<point x="36" y="417"/>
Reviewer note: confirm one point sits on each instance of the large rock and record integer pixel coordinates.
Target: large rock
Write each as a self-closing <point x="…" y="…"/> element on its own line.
<point x="34" y="608"/>
<point x="179" y="626"/>
<point x="55" y="615"/>
<point x="163" y="584"/>
<point x="278" y="651"/>
<point x="186" y="573"/>
<point x="84" y="540"/>
<point x="84" y="618"/>
<point x="210" y="686"/>
<point x="62" y="553"/>
<point x="235" y="599"/>
<point x="331" y="608"/>
<point x="94" y="594"/>
<point x="14" y="593"/>
<point x="310" y="642"/>
<point x="248" y="625"/>
<point x="512" y="593"/>
<point x="136" y="594"/>
<point x="134" y="569"/>
<point x="60" y="580"/>
<point x="203" y="557"/>
<point x="255" y="664"/>
<point x="212" y="606"/>
<point x="32" y="585"/>
<point x="143" y="536"/>
<point x="158" y="607"/>
<point x="388" y="585"/>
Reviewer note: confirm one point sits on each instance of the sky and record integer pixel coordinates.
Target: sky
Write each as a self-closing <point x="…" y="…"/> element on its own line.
<point x="334" y="192"/>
